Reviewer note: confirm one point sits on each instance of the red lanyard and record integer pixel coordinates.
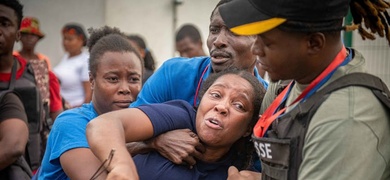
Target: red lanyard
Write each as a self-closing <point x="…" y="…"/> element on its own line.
<point x="270" y="115"/>
<point x="199" y="84"/>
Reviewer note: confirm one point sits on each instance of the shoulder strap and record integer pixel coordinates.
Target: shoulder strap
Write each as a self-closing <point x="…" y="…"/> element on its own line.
<point x="377" y="86"/>
<point x="358" y="79"/>
<point x="11" y="85"/>
<point x="29" y="72"/>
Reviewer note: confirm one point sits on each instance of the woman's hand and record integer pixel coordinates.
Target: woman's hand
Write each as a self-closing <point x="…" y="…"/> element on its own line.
<point x="179" y="146"/>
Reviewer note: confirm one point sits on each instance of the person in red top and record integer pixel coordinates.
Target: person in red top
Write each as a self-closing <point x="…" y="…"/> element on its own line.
<point x="30" y="34"/>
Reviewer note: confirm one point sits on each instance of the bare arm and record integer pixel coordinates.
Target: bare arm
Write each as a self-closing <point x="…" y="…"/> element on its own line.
<point x="111" y="131"/>
<point x="80" y="163"/>
<point x="13" y="140"/>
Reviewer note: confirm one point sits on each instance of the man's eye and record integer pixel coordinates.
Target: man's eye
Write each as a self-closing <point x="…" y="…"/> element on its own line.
<point x="214" y="30"/>
<point x="5" y="24"/>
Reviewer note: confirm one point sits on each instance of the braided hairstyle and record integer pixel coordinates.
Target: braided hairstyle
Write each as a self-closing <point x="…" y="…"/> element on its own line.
<point x="374" y="15"/>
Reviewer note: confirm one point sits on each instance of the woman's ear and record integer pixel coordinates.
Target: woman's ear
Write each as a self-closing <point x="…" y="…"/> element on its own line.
<point x="91" y="80"/>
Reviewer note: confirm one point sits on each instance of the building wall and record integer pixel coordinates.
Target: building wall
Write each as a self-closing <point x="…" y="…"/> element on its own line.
<point x="54" y="14"/>
<point x="153" y="19"/>
<point x="377" y="55"/>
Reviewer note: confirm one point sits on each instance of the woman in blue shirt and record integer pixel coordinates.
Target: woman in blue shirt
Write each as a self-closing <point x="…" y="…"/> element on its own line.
<point x="115" y="79"/>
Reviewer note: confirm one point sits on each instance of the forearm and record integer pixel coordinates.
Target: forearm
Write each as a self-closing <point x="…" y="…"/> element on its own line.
<point x="111" y="131"/>
<point x="13" y="140"/>
<point x="107" y="142"/>
<point x="81" y="163"/>
<point x="104" y="134"/>
<point x="8" y="154"/>
<point x="135" y="148"/>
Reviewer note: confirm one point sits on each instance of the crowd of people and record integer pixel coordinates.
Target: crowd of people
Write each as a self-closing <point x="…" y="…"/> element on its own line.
<point x="106" y="112"/>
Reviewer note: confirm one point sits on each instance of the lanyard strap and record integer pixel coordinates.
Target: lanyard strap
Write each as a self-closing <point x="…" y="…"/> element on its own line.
<point x="270" y="113"/>
<point x="11" y="85"/>
<point x="199" y="84"/>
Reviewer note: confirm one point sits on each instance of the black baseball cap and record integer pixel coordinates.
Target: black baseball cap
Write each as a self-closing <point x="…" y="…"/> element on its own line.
<point x="251" y="17"/>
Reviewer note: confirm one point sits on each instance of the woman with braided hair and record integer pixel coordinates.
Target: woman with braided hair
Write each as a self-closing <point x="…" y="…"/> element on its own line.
<point x="308" y="132"/>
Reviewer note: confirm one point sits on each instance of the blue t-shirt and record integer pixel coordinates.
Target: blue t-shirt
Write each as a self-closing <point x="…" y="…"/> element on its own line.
<point x="176" y="114"/>
<point x="178" y="78"/>
<point x="68" y="132"/>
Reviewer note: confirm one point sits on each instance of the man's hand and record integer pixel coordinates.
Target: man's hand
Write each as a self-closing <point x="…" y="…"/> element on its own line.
<point x="179" y="146"/>
<point x="234" y="174"/>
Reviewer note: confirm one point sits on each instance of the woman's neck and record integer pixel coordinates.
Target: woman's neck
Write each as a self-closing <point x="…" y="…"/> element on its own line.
<point x="28" y="54"/>
<point x="213" y="154"/>
<point x="75" y="53"/>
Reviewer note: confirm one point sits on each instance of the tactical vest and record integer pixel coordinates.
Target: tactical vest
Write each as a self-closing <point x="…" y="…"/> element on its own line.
<point x="26" y="87"/>
<point x="281" y="151"/>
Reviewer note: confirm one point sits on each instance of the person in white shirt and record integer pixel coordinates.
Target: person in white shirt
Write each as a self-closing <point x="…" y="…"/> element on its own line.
<point x="72" y="71"/>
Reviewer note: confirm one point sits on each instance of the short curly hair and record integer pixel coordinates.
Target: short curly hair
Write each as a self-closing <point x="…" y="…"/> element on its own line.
<point x="188" y="30"/>
<point x="107" y="39"/>
<point x="16" y="6"/>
